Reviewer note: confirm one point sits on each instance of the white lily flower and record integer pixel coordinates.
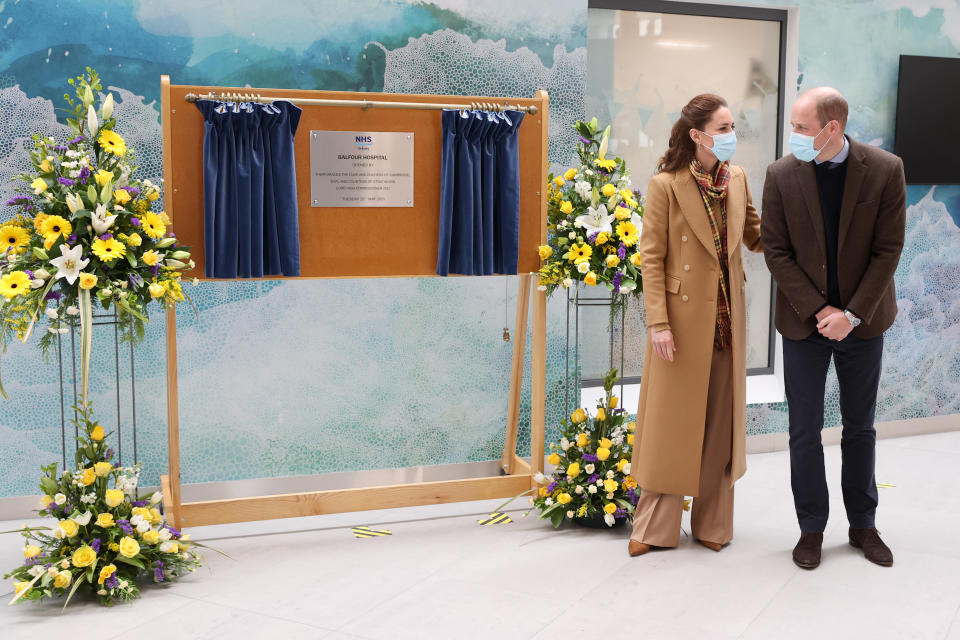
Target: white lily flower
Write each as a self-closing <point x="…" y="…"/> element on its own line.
<point x="52" y="330"/>
<point x="42" y="274"/>
<point x="58" y="533"/>
<point x="74" y="203"/>
<point x="101" y="221"/>
<point x="107" y="109"/>
<point x="83" y="519"/>
<point x="637" y="221"/>
<point x="597" y="220"/>
<point x="36" y="283"/>
<point x="609" y="519"/>
<point x="156" y="497"/>
<point x="69" y="263"/>
<point x="92" y="120"/>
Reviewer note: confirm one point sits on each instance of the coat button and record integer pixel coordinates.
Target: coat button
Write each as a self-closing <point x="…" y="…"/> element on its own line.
<point x="686" y="267"/>
<point x="683" y="238"/>
<point x="684" y="298"/>
<point x="823" y="267"/>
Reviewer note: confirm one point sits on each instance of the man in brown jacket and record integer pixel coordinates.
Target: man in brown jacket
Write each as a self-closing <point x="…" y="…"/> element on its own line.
<point x="833" y="223"/>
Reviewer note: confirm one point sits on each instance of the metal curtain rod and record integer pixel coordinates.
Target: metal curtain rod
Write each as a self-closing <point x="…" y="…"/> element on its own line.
<point x="363" y="104"/>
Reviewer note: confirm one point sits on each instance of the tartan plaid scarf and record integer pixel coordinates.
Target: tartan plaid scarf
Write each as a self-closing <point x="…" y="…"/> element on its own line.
<point x="713" y="190"/>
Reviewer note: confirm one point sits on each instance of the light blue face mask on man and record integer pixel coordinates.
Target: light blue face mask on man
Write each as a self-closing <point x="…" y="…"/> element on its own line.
<point x="802" y="146"/>
<point x="724" y="145"/>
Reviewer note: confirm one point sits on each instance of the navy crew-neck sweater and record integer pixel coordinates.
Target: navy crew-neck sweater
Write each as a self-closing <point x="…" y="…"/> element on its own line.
<point x="831" y="178"/>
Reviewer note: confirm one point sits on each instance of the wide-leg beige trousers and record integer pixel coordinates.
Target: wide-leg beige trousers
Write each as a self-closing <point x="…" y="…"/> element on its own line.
<point x="656" y="520"/>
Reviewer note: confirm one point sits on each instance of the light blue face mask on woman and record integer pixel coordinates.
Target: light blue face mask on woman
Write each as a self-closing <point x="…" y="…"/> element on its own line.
<point x="724" y="145"/>
<point x="802" y="146"/>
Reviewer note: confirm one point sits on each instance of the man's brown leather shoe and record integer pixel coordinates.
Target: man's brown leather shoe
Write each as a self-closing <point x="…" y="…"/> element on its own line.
<point x="873" y="547"/>
<point x="637" y="548"/>
<point x="806" y="554"/>
<point x="714" y="546"/>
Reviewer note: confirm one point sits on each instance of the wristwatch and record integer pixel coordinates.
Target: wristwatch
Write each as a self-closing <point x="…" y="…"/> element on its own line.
<point x="854" y="320"/>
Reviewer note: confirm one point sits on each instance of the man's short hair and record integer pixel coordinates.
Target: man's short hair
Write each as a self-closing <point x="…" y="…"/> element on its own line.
<point x="832" y="106"/>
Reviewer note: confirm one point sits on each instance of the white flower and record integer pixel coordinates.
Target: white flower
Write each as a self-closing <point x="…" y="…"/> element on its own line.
<point x="589" y="172"/>
<point x="167" y="547"/>
<point x="186" y="556"/>
<point x="69" y="263"/>
<point x="51" y="313"/>
<point x="65" y="564"/>
<point x="123" y="584"/>
<point x="539" y="478"/>
<point x="572" y="235"/>
<point x="36" y="570"/>
<point x="597" y="220"/>
<point x="74" y="202"/>
<point x="549" y="501"/>
<point x="570" y="514"/>
<point x="92" y="120"/>
<point x="562" y="224"/>
<point x="592" y="489"/>
<point x="107" y="109"/>
<point x="610" y="496"/>
<point x="583" y="267"/>
<point x="609" y="519"/>
<point x="165" y="535"/>
<point x="136" y="520"/>
<point x="41" y="273"/>
<point x="101" y="221"/>
<point x="610" y="473"/>
<point x="73" y="311"/>
<point x="88" y="498"/>
<point x="36" y="283"/>
<point x="195" y="281"/>
<point x="637" y="221"/>
<point x="567" y="283"/>
<point x="58" y="534"/>
<point x="60" y="498"/>
<point x="542" y="287"/>
<point x="578" y="490"/>
<point x="590" y="468"/>
<point x="564" y="444"/>
<point x="83" y="519"/>
<point x="156" y="497"/>
<point x="52" y="330"/>
<point x="52" y="571"/>
<point x="143" y="527"/>
<point x="72" y="154"/>
<point x="577" y="224"/>
<point x="583" y="188"/>
<point x="68" y="165"/>
<point x="48" y="197"/>
<point x="626" y="469"/>
<point x="617" y="440"/>
<point x="599" y="482"/>
<point x="65" y="330"/>
<point x="102" y="592"/>
<point x="625" y="182"/>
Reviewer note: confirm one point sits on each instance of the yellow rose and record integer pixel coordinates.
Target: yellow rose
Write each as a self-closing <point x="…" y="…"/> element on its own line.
<point x="566" y="207"/>
<point x="559" y="181"/>
<point x="573" y="470"/>
<point x="545" y="251"/>
<point x="122" y="196"/>
<point x="629" y="438"/>
<point x="97" y="433"/>
<point x="631" y="426"/>
<point x="88" y="281"/>
<point x="84" y="557"/>
<point x="106" y="572"/>
<point x="608" y="190"/>
<point x="629" y="482"/>
<point x="103" y="177"/>
<point x="45" y="166"/>
<point x="153" y="195"/>
<point x="151" y="537"/>
<point x="134" y="240"/>
<point x="553" y="458"/>
<point x="20" y="586"/>
<point x="105" y="520"/>
<point x="564" y="498"/>
<point x="102" y="469"/>
<point x="582" y="440"/>
<point x="612" y="261"/>
<point x="635" y="259"/>
<point x="621" y="463"/>
<point x="69" y="527"/>
<point x="610" y="485"/>
<point x="543" y="492"/>
<point x="157" y="290"/>
<point x="31" y="551"/>
<point x="89" y="475"/>
<point x="614" y="401"/>
<point x="578" y="416"/>
<point x="63" y="580"/>
<point x="602" y="238"/>
<point x="150" y="258"/>
<point x="155" y="517"/>
<point x="169" y="547"/>
<point x="570" y="174"/>
<point x="603" y="453"/>
<point x="39" y="186"/>
<point x="605" y="442"/>
<point x="622" y="213"/>
<point x="609" y="507"/>
<point x="129" y="547"/>
<point x="601" y="415"/>
<point x="113" y="497"/>
<point x="591" y="279"/>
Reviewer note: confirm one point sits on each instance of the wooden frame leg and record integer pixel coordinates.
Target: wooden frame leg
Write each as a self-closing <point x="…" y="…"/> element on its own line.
<point x="538" y="384"/>
<point x="171" y="482"/>
<point x="509" y="461"/>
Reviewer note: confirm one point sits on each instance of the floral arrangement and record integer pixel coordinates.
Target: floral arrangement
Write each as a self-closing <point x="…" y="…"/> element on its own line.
<point x="106" y="538"/>
<point x="591" y="479"/>
<point x="85" y="229"/>
<point x="594" y="222"/>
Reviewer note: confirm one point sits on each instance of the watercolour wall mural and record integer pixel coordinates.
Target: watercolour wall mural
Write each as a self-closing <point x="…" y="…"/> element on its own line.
<point x="304" y="377"/>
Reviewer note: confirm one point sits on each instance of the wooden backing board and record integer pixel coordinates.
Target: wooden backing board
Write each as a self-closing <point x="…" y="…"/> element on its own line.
<point x="345" y="242"/>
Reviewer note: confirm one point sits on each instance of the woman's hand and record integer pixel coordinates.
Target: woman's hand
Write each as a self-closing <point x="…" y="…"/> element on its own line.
<point x="663" y="343"/>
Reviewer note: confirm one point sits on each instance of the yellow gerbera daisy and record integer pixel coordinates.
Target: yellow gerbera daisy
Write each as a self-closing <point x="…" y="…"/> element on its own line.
<point x="38" y="222"/>
<point x="628" y="232"/>
<point x="603" y="163"/>
<point x="55" y="226"/>
<point x="13" y="284"/>
<point x="12" y="237"/>
<point x="579" y="253"/>
<point x="153" y="226"/>
<point x="108" y="250"/>
<point x="112" y="142"/>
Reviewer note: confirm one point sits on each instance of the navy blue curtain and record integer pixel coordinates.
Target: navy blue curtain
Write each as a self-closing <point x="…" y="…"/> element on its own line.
<point x="250" y="189"/>
<point x="479" y="193"/>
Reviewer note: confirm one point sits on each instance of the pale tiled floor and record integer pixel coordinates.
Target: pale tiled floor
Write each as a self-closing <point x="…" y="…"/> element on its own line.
<point x="442" y="576"/>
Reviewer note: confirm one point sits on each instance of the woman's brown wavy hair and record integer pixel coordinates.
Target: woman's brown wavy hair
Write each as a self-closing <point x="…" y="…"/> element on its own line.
<point x="695" y="115"/>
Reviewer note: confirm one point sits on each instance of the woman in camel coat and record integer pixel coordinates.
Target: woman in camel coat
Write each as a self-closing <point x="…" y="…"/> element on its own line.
<point x="691" y="422"/>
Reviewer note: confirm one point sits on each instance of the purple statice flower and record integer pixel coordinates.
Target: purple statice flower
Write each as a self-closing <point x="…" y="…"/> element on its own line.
<point x="108" y="454"/>
<point x="593" y="478"/>
<point x="65" y="181"/>
<point x="133" y="191"/>
<point x="95" y="545"/>
<point x="135" y="222"/>
<point x="620" y="513"/>
<point x="29" y="273"/>
<point x="12" y="202"/>
<point x="32" y="561"/>
<point x="116" y="465"/>
<point x="592" y="237"/>
<point x="84" y="174"/>
<point x="617" y="278"/>
<point x="156" y="269"/>
<point x="589" y="457"/>
<point x="53" y="295"/>
<point x="551" y="487"/>
<point x="111" y="582"/>
<point x="106" y="236"/>
<point x="583" y="140"/>
<point x="135" y="280"/>
<point x="76" y="140"/>
<point x="140" y="503"/>
<point x="158" y="572"/>
<point x="60" y="148"/>
<point x="622" y="251"/>
<point x="126" y="526"/>
<point x="632" y="496"/>
<point x="72" y="238"/>
<point x="174" y="532"/>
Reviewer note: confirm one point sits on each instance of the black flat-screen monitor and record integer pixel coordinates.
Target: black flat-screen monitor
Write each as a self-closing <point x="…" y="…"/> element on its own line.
<point x="928" y="119"/>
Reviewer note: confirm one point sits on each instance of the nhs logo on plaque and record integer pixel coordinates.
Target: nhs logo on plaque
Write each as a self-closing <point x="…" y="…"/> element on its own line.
<point x="363" y="142"/>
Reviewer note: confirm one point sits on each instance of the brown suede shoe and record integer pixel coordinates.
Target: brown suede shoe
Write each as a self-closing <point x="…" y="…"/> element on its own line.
<point x="637" y="548"/>
<point x="713" y="546"/>
<point x="873" y="547"/>
<point x="806" y="554"/>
